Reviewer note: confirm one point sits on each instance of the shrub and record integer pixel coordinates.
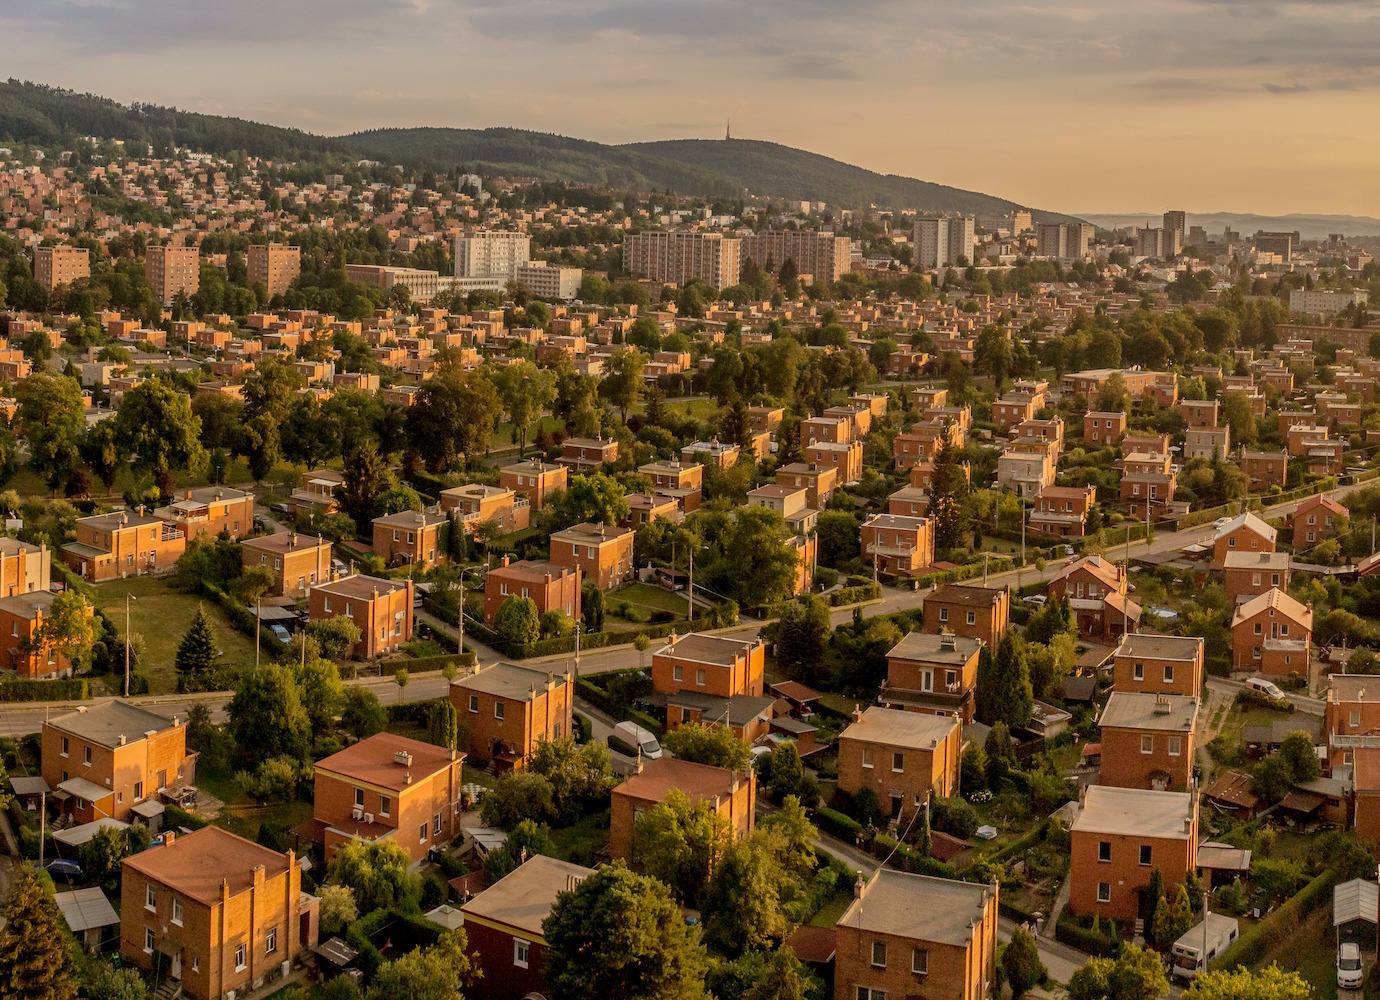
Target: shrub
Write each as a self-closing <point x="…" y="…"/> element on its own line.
<point x="953" y="816"/>
<point x="836" y="823"/>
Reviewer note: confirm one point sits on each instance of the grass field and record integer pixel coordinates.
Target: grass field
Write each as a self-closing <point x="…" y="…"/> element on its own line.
<point x="832" y="909"/>
<point x="645" y="597"/>
<point x="161" y="615"/>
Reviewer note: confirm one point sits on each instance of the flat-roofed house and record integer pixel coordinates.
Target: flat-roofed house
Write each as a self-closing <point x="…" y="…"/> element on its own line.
<point x="1119" y="839"/>
<point x="534" y="479"/>
<point x="410" y="538"/>
<point x="380" y="609"/>
<point x="29" y="654"/>
<point x="603" y="554"/>
<point x="1062" y="511"/>
<point x="507" y="710"/>
<point x="1246" y="574"/>
<point x="936" y="674"/>
<point x="903" y="757"/>
<point x="476" y="503"/>
<point x="552" y="587"/>
<point x="730" y="794"/>
<point x="210" y="510"/>
<point x="1351" y="717"/>
<point x="977" y="612"/>
<point x="297" y="562"/>
<point x="896" y="544"/>
<point x="716" y="665"/>
<point x="1147" y="740"/>
<point x="587" y="453"/>
<point x="908" y="935"/>
<point x="1171" y="664"/>
<point x="122" y="543"/>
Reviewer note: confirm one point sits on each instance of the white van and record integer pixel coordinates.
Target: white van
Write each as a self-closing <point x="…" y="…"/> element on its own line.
<point x="636" y="739"/>
<point x="1202" y="943"/>
<point x="1265" y="687"/>
<point x="1349" y="971"/>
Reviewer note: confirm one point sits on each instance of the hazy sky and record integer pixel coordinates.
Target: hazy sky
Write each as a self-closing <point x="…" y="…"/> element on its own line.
<point x="1079" y="106"/>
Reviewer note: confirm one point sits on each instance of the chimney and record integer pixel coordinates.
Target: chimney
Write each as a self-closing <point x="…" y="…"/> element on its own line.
<point x="1188" y="824"/>
<point x="504" y="563"/>
<point x="857" y="712"/>
<point x="258" y="874"/>
<point x="122" y="739"/>
<point x="169" y="836"/>
<point x="859" y="886"/>
<point x="1162" y="704"/>
<point x="186" y="494"/>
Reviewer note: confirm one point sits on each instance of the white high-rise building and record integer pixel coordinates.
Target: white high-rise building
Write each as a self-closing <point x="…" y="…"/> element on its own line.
<point x="492" y="254"/>
<point x="1064" y="240"/>
<point x="940" y="240"/>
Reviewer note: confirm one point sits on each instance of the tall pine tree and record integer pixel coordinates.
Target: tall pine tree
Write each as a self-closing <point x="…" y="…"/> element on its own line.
<point x="35" y="963"/>
<point x="948" y="489"/>
<point x="197" y="652"/>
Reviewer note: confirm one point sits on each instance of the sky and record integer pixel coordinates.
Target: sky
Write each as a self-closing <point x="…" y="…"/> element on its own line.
<point x="1079" y="106"/>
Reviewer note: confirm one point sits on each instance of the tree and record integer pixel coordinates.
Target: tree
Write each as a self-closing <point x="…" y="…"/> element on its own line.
<point x="379" y="872"/>
<point x="1021" y="963"/>
<point x="366" y="478"/>
<point x="1135" y="975"/>
<point x="677" y="841"/>
<point x="1113" y="396"/>
<point x="592" y="607"/>
<point x="948" y="489"/>
<point x="592" y="498"/>
<point x="156" y="425"/>
<point x="1172" y="920"/>
<point x="69" y="628"/>
<point x="334" y="636"/>
<point x="517" y="620"/>
<point x="105" y="982"/>
<point x="713" y="745"/>
<point x="35" y="961"/>
<point x="361" y="715"/>
<point x="198" y="651"/>
<point x="744" y="896"/>
<point x="52" y="418"/>
<point x="401" y="678"/>
<point x="267" y="718"/>
<point x="454" y="416"/>
<point x="270" y="388"/>
<point x="526" y="391"/>
<point x="524" y="841"/>
<point x="101" y="451"/>
<point x="802" y="636"/>
<point x="581" y="777"/>
<point x="619" y="934"/>
<point x="318" y="680"/>
<point x="623" y="383"/>
<point x="757" y="567"/>
<point x="261" y="444"/>
<point x="1004" y="692"/>
<point x="102" y="857"/>
<point x="786" y="772"/>
<point x="518" y="795"/>
<point x="839" y="537"/>
<point x="1272" y="983"/>
<point x="338" y="908"/>
<point x="434" y="973"/>
<point x="1296" y="751"/>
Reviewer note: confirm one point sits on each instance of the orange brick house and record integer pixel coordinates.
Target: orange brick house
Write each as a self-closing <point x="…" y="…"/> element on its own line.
<point x="21" y="618"/>
<point x="506" y="710"/>
<point x="973" y="611"/>
<point x="387" y="787"/>
<point x="603" y="554"/>
<point x="818" y="482"/>
<point x="1096" y="590"/>
<point x="409" y="538"/>
<point x="1351" y="717"/>
<point x="907" y="935"/>
<point x="120" y="544"/>
<point x="380" y="609"/>
<point x="1121" y="836"/>
<point x="1366" y="775"/>
<point x="1315" y="519"/>
<point x="674" y="478"/>
<point x="316" y="492"/>
<point x="714" y="665"/>
<point x="1271" y="633"/>
<point x="904" y="757"/>
<point x="111" y="757"/>
<point x="1247" y="574"/>
<point x="897" y="545"/>
<point x="297" y="562"/>
<point x="1243" y="533"/>
<point x="929" y="673"/>
<point x="533" y="479"/>
<point x="1103" y="429"/>
<point x="1147" y="740"/>
<point x="1062" y="511"/>
<point x="730" y="794"/>
<point x="24" y="568"/>
<point x="477" y="503"/>
<point x="587" y="453"/>
<point x="846" y="458"/>
<point x="218" y="912"/>
<point x="1265" y="469"/>
<point x="209" y="511"/>
<point x="550" y="586"/>
<point x="1169" y="664"/>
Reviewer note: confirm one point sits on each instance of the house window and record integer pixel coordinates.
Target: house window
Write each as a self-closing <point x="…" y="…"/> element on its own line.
<point x="972" y="618"/>
<point x="150" y="898"/>
<point x="943" y="614"/>
<point x="1168" y="674"/>
<point x="385" y="805"/>
<point x="1104" y="892"/>
<point x="1257" y="628"/>
<point x="1231" y="543"/>
<point x="435" y="824"/>
<point x="867" y="994"/>
<point x="498" y="710"/>
<point x="328" y="605"/>
<point x="64" y="746"/>
<point x="879" y="954"/>
<point x="1138" y="672"/>
<point x="866" y="756"/>
<point x="177" y="911"/>
<point x="1104" y="850"/>
<point x="239" y="958"/>
<point x="1355" y="719"/>
<point x="148" y="940"/>
<point x="271" y="941"/>
<point x="86" y="753"/>
<point x="699" y="678"/>
<point x="898" y="762"/>
<point x="677" y="673"/>
<point x="1145" y="854"/>
<point x="920" y="961"/>
<point x="520" y="950"/>
<point x="1147" y="744"/>
<point x="1175" y="743"/>
<point x="421" y="833"/>
<point x="359" y="798"/>
<point x="474" y="703"/>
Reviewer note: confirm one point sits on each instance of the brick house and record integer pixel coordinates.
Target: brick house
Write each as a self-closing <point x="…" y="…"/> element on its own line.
<point x="476" y="503"/>
<point x="297" y="562"/>
<point x="1199" y="412"/>
<point x="1247" y="574"/>
<point x="209" y="511"/>
<point x="720" y="454"/>
<point x="684" y="481"/>
<point x="1366" y="777"/>
<point x="552" y="587"/>
<point x="21" y="618"/>
<point x="587" y="453"/>
<point x="410" y="538"/>
<point x="1169" y="664"/>
<point x="1144" y="443"/>
<point x="1147" y="740"/>
<point x="119" y="544"/>
<point x="1351" y="717"/>
<point x="1103" y="429"/>
<point x="846" y="458"/>
<point x="315" y="494"/>
<point x="1315" y="519"/>
<point x="908" y="935"/>
<point x="220" y="912"/>
<point x="896" y="544"/>
<point x="387" y="787"/>
<point x="711" y="664"/>
<point x="603" y="554"/>
<point x="819" y="483"/>
<point x="1011" y="410"/>
<point x="506" y="710"/>
<point x="1207" y="442"/>
<point x="534" y="479"/>
<point x="24" y="568"/>
<point x="380" y="609"/>
<point x="1062" y="511"/>
<point x="1148" y="483"/>
<point x="936" y="674"/>
<point x="1096" y="590"/>
<point x="113" y="756"/>
<point x="1120" y="837"/>
<point x="1265" y="631"/>
<point x="1243" y="533"/>
<point x="904" y="757"/>
<point x="503" y="926"/>
<point x="973" y="611"/>
<point x="730" y="794"/>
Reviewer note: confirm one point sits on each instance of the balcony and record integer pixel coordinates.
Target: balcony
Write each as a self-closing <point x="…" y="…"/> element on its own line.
<point x="170" y="534"/>
<point x="942" y="700"/>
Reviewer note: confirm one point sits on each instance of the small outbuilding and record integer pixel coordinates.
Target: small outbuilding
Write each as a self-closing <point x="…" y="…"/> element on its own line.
<point x="1354" y="912"/>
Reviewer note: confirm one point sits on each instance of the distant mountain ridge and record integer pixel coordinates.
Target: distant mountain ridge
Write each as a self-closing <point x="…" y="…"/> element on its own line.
<point x="1309" y="226"/>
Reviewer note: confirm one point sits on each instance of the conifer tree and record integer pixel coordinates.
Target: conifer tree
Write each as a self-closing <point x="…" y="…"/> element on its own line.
<point x="196" y="653"/>
<point x="35" y="963"/>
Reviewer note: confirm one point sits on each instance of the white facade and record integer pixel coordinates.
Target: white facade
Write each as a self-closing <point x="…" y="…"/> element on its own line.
<point x="546" y="281"/>
<point x="1323" y="301"/>
<point x="940" y="241"/>
<point x="491" y="254"/>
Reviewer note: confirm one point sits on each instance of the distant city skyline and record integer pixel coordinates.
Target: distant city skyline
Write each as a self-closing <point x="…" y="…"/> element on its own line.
<point x="1204" y="105"/>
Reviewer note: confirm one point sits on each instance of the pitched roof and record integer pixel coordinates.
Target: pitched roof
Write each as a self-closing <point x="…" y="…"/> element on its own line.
<point x="1247" y="520"/>
<point x="660" y="777"/>
<point x="374" y="760"/>
<point x="1256" y="560"/>
<point x="197" y="864"/>
<point x="1278" y="600"/>
<point x="918" y="907"/>
<point x="1321" y="500"/>
<point x="957" y="593"/>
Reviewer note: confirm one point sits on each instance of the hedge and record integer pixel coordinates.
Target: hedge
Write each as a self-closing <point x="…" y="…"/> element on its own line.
<point x="910" y="860"/>
<point x="831" y="821"/>
<point x="419" y="664"/>
<point x="598" y="640"/>
<point x="1069" y="933"/>
<point x="1252" y="946"/>
<point x="848" y="595"/>
<point x="72" y="689"/>
<point x="965" y="572"/>
<point x="176" y="816"/>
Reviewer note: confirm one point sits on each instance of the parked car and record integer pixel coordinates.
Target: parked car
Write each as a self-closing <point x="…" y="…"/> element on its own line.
<point x="1035" y="600"/>
<point x="1265" y="687"/>
<point x="1349" y="971"/>
<point x="631" y="739"/>
<point x="280" y="633"/>
<point x="1220" y="521"/>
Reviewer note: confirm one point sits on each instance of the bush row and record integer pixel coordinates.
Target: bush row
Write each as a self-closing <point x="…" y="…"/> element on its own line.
<point x="910" y="860"/>
<point x="833" y="822"/>
<point x="965" y="572"/>
<point x="1085" y="939"/>
<point x="72" y="689"/>
<point x="1257" y="942"/>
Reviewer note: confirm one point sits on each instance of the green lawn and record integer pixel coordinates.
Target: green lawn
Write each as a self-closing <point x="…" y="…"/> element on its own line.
<point x="832" y="909"/>
<point x="700" y="409"/>
<point x="580" y="843"/>
<point x="161" y="615"/>
<point x="646" y="597"/>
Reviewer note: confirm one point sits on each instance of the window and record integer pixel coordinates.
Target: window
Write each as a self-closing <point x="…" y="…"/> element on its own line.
<point x="1145" y="854"/>
<point x="1175" y="742"/>
<point x="1104" y="851"/>
<point x="866" y="994"/>
<point x="239" y="958"/>
<point x="328" y="605"/>
<point x="498" y="710"/>
<point x="1355" y="719"/>
<point x="271" y="941"/>
<point x="150" y="897"/>
<point x="148" y="940"/>
<point x="1231" y="543"/>
<point x="1257" y="628"/>
<point x="359" y="798"/>
<point x="1138" y="672"/>
<point x="474" y="703"/>
<point x="177" y="911"/>
<point x="64" y="746"/>
<point x="879" y="954"/>
<point x="867" y="756"/>
<point x="196" y="963"/>
<point x="520" y="949"/>
<point x="435" y="824"/>
<point x="920" y="961"/>
<point x="421" y="834"/>
<point x="699" y="678"/>
<point x="926" y="680"/>
<point x="943" y="614"/>
<point x="1104" y="892"/>
<point x="972" y="618"/>
<point x="898" y="762"/>
<point x="385" y="805"/>
<point x="1147" y="744"/>
<point x="677" y="673"/>
<point x="1168" y="673"/>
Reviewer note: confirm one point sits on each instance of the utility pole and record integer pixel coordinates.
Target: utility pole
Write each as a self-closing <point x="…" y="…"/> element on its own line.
<point x="461" y="619"/>
<point x="1021" y="501"/>
<point x="577" y="647"/>
<point x="128" y="598"/>
<point x="258" y="626"/>
<point x="690" y="587"/>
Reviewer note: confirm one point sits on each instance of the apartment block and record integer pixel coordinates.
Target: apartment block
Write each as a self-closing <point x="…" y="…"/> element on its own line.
<point x="491" y="253"/>
<point x="550" y="281"/>
<point x="61" y="265"/>
<point x="678" y="258"/>
<point x="275" y="266"/>
<point x="940" y="241"/>
<point x="823" y="255"/>
<point x="297" y="562"/>
<point x="1066" y="241"/>
<point x="507" y="710"/>
<point x="173" y="271"/>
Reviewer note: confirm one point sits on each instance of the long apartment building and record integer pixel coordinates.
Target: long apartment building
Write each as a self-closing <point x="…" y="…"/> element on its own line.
<point x="1064" y="240"/>
<point x="940" y="241"/>
<point x="679" y="258"/>
<point x="491" y="253"/>
<point x="275" y="266"/>
<point x="60" y="265"/>
<point x="824" y="255"/>
<point x="171" y="270"/>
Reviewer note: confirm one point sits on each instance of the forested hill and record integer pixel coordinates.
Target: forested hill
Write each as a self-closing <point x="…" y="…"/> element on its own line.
<point x="47" y="116"/>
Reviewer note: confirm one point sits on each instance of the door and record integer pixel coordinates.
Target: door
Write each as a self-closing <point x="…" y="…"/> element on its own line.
<point x="176" y="970"/>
